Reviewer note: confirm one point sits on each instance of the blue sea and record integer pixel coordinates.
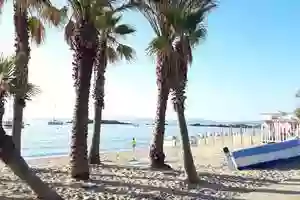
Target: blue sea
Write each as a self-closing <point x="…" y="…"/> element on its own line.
<point x="42" y="140"/>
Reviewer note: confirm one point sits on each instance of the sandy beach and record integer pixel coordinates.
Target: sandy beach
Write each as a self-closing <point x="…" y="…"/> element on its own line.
<point x="121" y="178"/>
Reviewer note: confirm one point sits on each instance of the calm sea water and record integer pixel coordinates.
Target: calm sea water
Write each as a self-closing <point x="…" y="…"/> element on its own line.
<point x="40" y="140"/>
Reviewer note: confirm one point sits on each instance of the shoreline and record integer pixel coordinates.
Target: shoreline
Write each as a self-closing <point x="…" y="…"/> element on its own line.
<point x="67" y="155"/>
<point x="203" y="139"/>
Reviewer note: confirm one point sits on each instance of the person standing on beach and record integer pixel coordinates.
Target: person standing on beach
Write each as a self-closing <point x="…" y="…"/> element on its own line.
<point x="133" y="147"/>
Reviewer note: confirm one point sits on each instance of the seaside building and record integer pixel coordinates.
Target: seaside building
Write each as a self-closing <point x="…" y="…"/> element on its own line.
<point x="279" y="126"/>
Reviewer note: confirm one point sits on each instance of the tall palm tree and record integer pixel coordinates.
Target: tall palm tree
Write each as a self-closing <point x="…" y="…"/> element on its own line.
<point x="9" y="154"/>
<point x="110" y="50"/>
<point x="187" y="20"/>
<point x="184" y="22"/>
<point x="161" y="47"/>
<point x="29" y="26"/>
<point x="82" y="36"/>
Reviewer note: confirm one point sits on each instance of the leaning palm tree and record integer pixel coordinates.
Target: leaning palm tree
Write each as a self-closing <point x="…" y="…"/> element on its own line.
<point x="187" y="21"/>
<point x="82" y="36"/>
<point x="9" y="154"/>
<point x="161" y="47"/>
<point x="29" y="26"/>
<point x="110" y="50"/>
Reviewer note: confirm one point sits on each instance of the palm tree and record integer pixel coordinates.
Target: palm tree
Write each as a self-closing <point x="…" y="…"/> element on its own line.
<point x="82" y="36"/>
<point x="187" y="22"/>
<point x="110" y="50"/>
<point x="297" y="113"/>
<point x="161" y="47"/>
<point x="9" y="154"/>
<point x="26" y="26"/>
<point x="183" y="20"/>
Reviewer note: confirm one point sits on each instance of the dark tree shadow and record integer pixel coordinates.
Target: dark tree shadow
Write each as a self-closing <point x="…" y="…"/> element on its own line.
<point x="211" y="186"/>
<point x="14" y="198"/>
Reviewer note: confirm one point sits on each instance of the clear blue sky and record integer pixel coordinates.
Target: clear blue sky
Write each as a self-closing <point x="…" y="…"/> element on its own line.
<point x="249" y="64"/>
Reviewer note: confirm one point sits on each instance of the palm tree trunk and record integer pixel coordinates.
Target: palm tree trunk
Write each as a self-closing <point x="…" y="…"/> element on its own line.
<point x="179" y="80"/>
<point x="156" y="154"/>
<point x="17" y="123"/>
<point x="12" y="158"/>
<point x="85" y="46"/>
<point x="94" y="157"/>
<point x="22" y="55"/>
<point x="2" y="109"/>
<point x="189" y="165"/>
<point x="100" y="67"/>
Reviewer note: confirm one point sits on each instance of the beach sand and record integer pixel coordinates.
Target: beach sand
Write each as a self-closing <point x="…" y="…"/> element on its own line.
<point x="121" y="178"/>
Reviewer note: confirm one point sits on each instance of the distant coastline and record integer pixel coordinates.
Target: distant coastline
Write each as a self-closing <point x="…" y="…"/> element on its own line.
<point x="227" y="125"/>
<point x="108" y="122"/>
<point x="152" y="124"/>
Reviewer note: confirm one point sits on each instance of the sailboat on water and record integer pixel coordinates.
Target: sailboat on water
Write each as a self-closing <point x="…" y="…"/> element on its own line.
<point x="55" y="121"/>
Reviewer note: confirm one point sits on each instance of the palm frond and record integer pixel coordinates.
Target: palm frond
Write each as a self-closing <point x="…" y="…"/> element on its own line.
<point x="126" y="52"/>
<point x="54" y="16"/>
<point x="36" y="29"/>
<point x="111" y="55"/>
<point x="31" y="90"/>
<point x="69" y="32"/>
<point x="76" y="9"/>
<point x="130" y="5"/>
<point x="196" y="36"/>
<point x="124" y="29"/>
<point x="152" y="12"/>
<point x="27" y="91"/>
<point x="32" y="5"/>
<point x="158" y="45"/>
<point x="7" y="69"/>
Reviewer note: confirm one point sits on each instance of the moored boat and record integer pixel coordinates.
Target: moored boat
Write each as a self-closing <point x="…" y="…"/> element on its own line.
<point x="280" y="145"/>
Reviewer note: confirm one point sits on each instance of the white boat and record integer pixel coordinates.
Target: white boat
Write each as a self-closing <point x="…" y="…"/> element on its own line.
<point x="55" y="122"/>
<point x="280" y="145"/>
<point x="264" y="156"/>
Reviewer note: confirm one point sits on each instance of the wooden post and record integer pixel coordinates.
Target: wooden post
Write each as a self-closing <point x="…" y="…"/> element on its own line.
<point x="251" y="135"/>
<point x="241" y="135"/>
<point x="222" y="135"/>
<point x="262" y="132"/>
<point x="231" y="135"/>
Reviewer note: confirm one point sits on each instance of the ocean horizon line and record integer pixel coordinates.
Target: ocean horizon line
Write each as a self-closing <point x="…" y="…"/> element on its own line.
<point x="190" y="120"/>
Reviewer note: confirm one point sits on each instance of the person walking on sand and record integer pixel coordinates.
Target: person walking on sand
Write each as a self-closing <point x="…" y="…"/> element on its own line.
<point x="133" y="147"/>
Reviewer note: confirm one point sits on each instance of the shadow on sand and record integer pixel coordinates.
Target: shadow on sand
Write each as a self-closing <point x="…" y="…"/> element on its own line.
<point x="229" y="186"/>
<point x="14" y="198"/>
<point x="210" y="183"/>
